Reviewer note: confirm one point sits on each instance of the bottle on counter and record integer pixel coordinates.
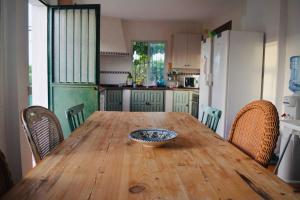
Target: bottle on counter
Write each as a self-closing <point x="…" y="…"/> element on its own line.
<point x="129" y="80"/>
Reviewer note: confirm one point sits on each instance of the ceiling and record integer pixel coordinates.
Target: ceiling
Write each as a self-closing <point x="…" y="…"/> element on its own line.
<point x="195" y="10"/>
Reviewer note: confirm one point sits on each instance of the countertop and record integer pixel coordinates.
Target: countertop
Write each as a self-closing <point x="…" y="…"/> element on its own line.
<point x="116" y="87"/>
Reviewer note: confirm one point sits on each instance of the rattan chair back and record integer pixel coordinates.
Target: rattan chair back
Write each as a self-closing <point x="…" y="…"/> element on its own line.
<point x="5" y="176"/>
<point x="75" y="116"/>
<point x="43" y="130"/>
<point x="255" y="130"/>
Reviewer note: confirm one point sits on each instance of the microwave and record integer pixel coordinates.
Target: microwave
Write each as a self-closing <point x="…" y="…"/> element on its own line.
<point x="191" y="81"/>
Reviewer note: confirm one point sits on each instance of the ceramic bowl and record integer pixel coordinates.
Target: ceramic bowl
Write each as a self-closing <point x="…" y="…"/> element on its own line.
<point x="152" y="137"/>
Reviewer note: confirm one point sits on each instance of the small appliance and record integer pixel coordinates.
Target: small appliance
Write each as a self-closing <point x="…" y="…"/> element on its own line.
<point x="172" y="84"/>
<point x="191" y="81"/>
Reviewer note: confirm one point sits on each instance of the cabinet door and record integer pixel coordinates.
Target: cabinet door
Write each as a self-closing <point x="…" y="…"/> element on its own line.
<point x="195" y="108"/>
<point x="181" y="101"/>
<point x="138" y="101"/>
<point x="155" y="101"/>
<point x="180" y="50"/>
<point x="193" y="50"/>
<point x="114" y="100"/>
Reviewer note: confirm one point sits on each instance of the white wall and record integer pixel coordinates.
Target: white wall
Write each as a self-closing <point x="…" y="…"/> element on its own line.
<point x="144" y="30"/>
<point x="279" y="19"/>
<point x="292" y="38"/>
<point x="235" y="15"/>
<point x="269" y="16"/>
<point x="2" y="82"/>
<point x="14" y="80"/>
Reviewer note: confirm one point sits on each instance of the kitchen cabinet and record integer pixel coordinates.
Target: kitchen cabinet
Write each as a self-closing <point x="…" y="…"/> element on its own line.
<point x="113" y="100"/>
<point x="182" y="101"/>
<point x="147" y="101"/>
<point x="195" y="104"/>
<point x="186" y="50"/>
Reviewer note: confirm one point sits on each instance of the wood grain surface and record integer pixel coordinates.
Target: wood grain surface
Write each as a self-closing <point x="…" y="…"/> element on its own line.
<point x="99" y="162"/>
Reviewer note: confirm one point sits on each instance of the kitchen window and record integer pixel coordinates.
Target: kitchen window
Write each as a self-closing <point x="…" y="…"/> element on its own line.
<point x="148" y="62"/>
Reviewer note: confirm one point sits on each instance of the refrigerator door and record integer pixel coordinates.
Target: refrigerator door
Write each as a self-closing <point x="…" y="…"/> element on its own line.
<point x="220" y="70"/>
<point x="245" y="58"/>
<point x="205" y="80"/>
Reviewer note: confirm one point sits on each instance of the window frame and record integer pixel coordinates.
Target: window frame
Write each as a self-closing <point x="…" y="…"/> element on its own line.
<point x="152" y="41"/>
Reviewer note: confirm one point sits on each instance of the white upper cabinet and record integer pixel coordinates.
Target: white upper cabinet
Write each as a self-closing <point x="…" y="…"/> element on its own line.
<point x="179" y="50"/>
<point x="186" y="50"/>
<point x="194" y="50"/>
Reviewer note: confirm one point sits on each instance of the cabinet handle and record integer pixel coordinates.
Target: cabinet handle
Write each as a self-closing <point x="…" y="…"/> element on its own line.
<point x="187" y="105"/>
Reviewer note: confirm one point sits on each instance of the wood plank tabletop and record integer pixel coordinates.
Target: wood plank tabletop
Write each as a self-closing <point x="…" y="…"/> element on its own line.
<point x="98" y="161"/>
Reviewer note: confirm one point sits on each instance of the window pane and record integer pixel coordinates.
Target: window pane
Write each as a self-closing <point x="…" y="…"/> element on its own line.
<point x="148" y="62"/>
<point x="157" y="62"/>
<point x="140" y="62"/>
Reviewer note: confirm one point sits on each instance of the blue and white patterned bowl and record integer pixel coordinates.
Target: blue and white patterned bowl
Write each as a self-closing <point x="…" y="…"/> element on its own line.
<point x="152" y="137"/>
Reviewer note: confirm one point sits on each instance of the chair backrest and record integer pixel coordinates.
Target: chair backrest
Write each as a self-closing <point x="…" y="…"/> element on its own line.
<point x="211" y="117"/>
<point x="73" y="115"/>
<point x="43" y="130"/>
<point x="255" y="130"/>
<point x="5" y="176"/>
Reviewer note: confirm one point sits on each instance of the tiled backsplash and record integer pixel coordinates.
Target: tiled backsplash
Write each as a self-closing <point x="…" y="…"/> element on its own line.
<point x="114" y="69"/>
<point x="113" y="77"/>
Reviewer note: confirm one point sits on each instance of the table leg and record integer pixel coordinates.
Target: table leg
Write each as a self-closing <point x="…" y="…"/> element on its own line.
<point x="281" y="156"/>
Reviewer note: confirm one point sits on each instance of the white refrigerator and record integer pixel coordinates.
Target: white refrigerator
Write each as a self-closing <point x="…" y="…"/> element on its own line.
<point x="236" y="66"/>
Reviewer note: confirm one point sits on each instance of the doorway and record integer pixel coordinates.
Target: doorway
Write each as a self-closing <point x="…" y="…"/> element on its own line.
<point x="38" y="64"/>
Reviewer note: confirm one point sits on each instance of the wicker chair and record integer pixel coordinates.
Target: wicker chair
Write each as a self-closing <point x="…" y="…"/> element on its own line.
<point x="43" y="130"/>
<point x="5" y="176"/>
<point x="255" y="130"/>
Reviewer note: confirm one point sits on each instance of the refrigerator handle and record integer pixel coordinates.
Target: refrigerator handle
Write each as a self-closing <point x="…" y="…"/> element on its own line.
<point x="209" y="80"/>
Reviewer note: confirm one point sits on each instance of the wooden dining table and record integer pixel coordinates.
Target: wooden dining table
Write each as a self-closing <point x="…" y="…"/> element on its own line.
<point x="98" y="161"/>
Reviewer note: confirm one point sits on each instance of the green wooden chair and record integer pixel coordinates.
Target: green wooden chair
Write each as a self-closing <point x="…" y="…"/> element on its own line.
<point x="75" y="116"/>
<point x="211" y="117"/>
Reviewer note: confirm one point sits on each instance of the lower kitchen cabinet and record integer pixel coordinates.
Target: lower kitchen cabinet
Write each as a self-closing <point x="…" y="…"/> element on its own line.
<point x="195" y="104"/>
<point x="181" y="101"/>
<point x="147" y="101"/>
<point x="113" y="101"/>
<point x="195" y="108"/>
<point x="138" y="100"/>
